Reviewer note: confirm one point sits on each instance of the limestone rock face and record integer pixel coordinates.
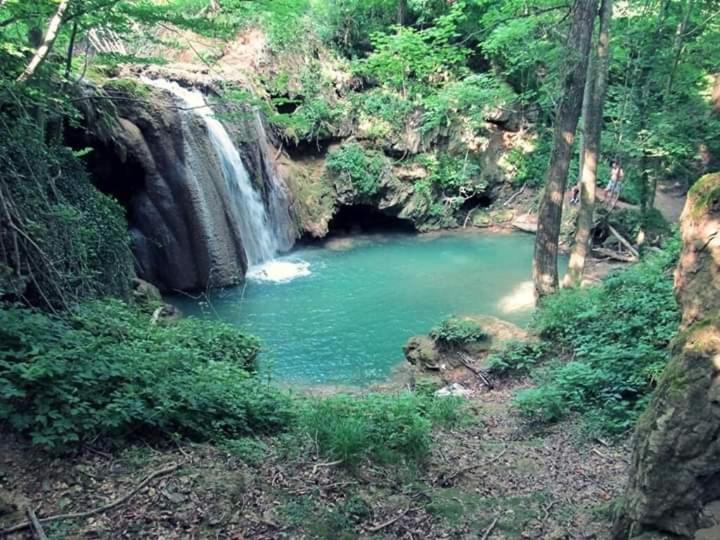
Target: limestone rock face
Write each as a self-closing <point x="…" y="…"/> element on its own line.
<point x="183" y="234"/>
<point x="675" y="469"/>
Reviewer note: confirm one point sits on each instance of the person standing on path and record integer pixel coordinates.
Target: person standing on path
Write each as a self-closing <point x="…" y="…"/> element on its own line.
<point x="612" y="191"/>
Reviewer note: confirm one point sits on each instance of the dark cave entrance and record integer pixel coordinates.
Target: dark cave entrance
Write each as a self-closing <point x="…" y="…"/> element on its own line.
<point x="365" y="218"/>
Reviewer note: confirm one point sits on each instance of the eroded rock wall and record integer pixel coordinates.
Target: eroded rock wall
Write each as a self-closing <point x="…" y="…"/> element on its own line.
<point x="675" y="469"/>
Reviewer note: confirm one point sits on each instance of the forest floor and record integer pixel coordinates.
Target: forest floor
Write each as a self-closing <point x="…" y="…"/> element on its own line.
<point x="495" y="477"/>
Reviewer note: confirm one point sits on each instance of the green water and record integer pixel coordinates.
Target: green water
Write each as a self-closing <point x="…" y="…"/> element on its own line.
<point x="346" y="322"/>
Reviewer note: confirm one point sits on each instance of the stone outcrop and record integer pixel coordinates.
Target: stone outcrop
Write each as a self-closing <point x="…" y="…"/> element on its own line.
<point x="675" y="469"/>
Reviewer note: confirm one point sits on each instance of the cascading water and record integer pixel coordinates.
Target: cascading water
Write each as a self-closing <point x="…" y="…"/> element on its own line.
<point x="262" y="238"/>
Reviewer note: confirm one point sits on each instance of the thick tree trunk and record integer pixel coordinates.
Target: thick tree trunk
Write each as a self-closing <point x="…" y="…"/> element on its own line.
<point x="593" y="119"/>
<point x="545" y="273"/>
<point x="675" y="468"/>
<point x="44" y="49"/>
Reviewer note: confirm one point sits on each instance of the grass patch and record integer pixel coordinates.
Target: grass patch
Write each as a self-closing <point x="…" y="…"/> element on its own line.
<point x="380" y="427"/>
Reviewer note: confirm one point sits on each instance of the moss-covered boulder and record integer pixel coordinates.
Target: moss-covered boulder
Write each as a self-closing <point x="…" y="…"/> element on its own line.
<point x="675" y="468"/>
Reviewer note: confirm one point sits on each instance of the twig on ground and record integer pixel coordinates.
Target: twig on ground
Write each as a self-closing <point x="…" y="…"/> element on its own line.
<point x="35" y="525"/>
<point x="547" y="509"/>
<point x="98" y="510"/>
<point x="470" y="467"/>
<point x="599" y="453"/>
<point x="476" y="371"/>
<point x="326" y="464"/>
<point x="490" y="529"/>
<point x="381" y="526"/>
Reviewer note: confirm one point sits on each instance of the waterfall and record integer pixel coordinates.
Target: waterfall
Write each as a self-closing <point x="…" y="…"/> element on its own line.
<point x="263" y="235"/>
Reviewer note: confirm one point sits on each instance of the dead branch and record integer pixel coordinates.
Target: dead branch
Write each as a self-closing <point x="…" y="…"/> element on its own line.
<point x="326" y="464"/>
<point x="98" y="510"/>
<point x="35" y="525"/>
<point x="490" y="529"/>
<point x="470" y="467"/>
<point x="470" y="213"/>
<point x="615" y="255"/>
<point x="476" y="371"/>
<point x="623" y="241"/>
<point x="381" y="526"/>
<point x="514" y="195"/>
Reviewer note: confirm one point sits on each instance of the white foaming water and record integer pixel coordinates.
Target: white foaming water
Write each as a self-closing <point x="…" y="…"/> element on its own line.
<point x="261" y="240"/>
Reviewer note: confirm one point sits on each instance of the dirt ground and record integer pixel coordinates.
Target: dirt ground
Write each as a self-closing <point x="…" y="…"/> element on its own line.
<point x="493" y="478"/>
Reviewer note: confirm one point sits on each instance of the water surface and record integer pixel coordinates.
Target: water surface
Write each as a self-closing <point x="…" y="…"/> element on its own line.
<point x="355" y="302"/>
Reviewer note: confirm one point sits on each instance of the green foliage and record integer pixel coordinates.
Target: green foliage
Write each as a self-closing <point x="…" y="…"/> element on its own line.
<point x="516" y="358"/>
<point x="363" y="168"/>
<point x="63" y="240"/>
<point x="615" y="360"/>
<point x="103" y="371"/>
<point x="530" y="167"/>
<point x="456" y="331"/>
<point x="469" y="99"/>
<point x="380" y="427"/>
<point x="412" y="61"/>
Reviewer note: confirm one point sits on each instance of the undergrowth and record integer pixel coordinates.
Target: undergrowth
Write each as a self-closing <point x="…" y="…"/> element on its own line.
<point x="379" y="427"/>
<point x="362" y="168"/>
<point x="104" y="371"/>
<point x="602" y="348"/>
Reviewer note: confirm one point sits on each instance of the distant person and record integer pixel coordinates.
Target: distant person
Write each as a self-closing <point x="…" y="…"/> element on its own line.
<point x="575" y="195"/>
<point x="614" y="187"/>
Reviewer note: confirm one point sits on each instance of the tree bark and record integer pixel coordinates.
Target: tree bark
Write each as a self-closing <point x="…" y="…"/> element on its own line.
<point x="545" y="273"/>
<point x="46" y="46"/>
<point x="591" y="147"/>
<point x="675" y="468"/>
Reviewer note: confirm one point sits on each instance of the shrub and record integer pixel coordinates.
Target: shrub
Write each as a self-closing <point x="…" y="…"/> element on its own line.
<point x="362" y="168"/>
<point x="385" y="428"/>
<point x="102" y="370"/>
<point x="516" y="358"/>
<point x="457" y="331"/>
<point x="617" y="335"/>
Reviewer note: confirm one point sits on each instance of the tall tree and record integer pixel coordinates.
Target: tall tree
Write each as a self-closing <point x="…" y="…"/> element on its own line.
<point x="545" y="273"/>
<point x="593" y="118"/>
<point x="47" y="42"/>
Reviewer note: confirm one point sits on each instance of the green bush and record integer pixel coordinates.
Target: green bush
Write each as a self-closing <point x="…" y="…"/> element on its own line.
<point x="381" y="427"/>
<point x="516" y="358"/>
<point x="362" y="168"/>
<point x="104" y="371"/>
<point x="616" y="335"/>
<point x="456" y="331"/>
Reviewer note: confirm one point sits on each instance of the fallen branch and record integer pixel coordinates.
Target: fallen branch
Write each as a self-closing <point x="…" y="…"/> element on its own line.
<point x="615" y="255"/>
<point x="35" y="525"/>
<point x="471" y="467"/>
<point x="476" y="371"/>
<point x="99" y="510"/>
<point x="514" y="195"/>
<point x="490" y="529"/>
<point x="327" y="464"/>
<point x="470" y="213"/>
<point x="381" y="526"/>
<point x="623" y="241"/>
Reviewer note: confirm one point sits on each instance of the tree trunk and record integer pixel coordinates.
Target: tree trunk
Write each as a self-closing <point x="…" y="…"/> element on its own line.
<point x="678" y="46"/>
<point x="402" y="10"/>
<point x="545" y="273"/>
<point x="675" y="468"/>
<point x="44" y="49"/>
<point x="591" y="147"/>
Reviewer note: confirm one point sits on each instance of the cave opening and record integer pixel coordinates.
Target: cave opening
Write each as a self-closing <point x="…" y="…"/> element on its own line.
<point x="121" y="179"/>
<point x="365" y="218"/>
